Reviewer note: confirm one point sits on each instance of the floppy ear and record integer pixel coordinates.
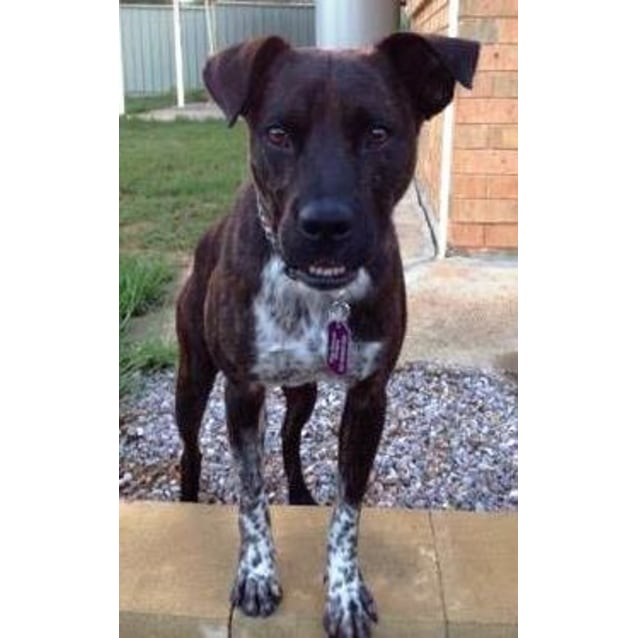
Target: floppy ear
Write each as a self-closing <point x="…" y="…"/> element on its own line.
<point x="429" y="66"/>
<point x="233" y="76"/>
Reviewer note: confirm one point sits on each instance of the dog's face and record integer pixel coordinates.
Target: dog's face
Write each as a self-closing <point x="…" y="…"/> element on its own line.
<point x="333" y="138"/>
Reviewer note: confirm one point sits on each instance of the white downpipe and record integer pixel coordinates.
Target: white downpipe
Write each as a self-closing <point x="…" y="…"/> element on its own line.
<point x="179" y="65"/>
<point x="354" y="23"/>
<point x="446" y="147"/>
<point x="209" y="28"/>
<point x="121" y="68"/>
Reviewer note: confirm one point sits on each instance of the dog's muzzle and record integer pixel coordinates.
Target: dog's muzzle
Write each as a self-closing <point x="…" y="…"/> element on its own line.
<point x="322" y="220"/>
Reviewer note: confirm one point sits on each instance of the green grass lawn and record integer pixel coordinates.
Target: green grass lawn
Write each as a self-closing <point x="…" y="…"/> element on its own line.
<point x="176" y="179"/>
<point x="143" y="286"/>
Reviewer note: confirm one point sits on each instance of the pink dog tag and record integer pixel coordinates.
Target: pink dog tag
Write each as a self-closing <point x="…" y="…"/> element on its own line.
<point x="338" y="341"/>
<point x="338" y="338"/>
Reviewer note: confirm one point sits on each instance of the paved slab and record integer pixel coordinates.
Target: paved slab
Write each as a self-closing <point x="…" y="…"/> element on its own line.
<point x="477" y="554"/>
<point x="176" y="559"/>
<point x="177" y="563"/>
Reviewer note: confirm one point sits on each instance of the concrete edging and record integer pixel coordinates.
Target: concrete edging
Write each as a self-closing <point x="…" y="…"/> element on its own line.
<point x="434" y="574"/>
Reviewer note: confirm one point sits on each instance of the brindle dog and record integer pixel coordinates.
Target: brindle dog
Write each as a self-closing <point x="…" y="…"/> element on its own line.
<point x="302" y="281"/>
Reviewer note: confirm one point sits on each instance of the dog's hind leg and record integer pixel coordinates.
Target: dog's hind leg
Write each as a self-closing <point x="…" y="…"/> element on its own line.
<point x="300" y="401"/>
<point x="195" y="378"/>
<point x="256" y="589"/>
<point x="194" y="381"/>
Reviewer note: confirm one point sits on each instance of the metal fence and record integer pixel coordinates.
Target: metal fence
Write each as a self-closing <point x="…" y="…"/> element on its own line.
<point x="148" y="59"/>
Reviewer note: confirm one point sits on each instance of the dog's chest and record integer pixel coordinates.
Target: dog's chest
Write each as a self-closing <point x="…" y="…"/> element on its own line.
<point x="291" y="332"/>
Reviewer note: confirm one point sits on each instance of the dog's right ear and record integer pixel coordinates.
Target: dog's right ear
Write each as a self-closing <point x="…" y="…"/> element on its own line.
<point x="429" y="66"/>
<point x="233" y="77"/>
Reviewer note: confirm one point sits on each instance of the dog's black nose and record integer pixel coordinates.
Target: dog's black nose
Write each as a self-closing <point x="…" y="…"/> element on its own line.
<point x="325" y="219"/>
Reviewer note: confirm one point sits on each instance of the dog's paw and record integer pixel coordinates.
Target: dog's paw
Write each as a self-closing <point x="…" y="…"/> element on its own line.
<point x="256" y="594"/>
<point x="350" y="610"/>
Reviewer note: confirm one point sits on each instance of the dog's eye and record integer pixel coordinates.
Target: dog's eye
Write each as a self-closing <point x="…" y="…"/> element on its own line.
<point x="377" y="136"/>
<point x="278" y="136"/>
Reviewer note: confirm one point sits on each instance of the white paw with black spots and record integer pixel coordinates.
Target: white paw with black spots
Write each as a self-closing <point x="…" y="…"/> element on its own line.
<point x="257" y="594"/>
<point x="350" y="610"/>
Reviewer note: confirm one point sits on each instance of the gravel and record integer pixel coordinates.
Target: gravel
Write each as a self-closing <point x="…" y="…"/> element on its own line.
<point x="450" y="442"/>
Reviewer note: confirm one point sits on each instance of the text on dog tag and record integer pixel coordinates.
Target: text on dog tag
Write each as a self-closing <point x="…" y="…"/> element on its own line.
<point x="338" y="343"/>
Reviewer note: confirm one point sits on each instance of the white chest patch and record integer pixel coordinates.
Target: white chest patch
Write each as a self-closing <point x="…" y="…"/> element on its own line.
<point x="291" y="330"/>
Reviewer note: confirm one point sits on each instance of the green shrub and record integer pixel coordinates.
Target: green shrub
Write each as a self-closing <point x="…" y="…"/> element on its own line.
<point x="144" y="284"/>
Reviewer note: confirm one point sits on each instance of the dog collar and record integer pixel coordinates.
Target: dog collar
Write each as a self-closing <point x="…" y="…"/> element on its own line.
<point x="266" y="225"/>
<point x="265" y="219"/>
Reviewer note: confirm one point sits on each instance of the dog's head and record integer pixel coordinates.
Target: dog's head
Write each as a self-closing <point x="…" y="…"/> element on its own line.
<point x="333" y="137"/>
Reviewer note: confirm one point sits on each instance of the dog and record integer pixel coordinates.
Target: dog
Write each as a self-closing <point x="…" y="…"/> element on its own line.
<point x="303" y="282"/>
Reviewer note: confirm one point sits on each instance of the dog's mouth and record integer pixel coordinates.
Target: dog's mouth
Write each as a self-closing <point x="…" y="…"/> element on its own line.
<point x="323" y="276"/>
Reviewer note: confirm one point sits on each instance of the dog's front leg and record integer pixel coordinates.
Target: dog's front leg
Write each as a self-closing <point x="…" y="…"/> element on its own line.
<point x="256" y="589"/>
<point x="350" y="608"/>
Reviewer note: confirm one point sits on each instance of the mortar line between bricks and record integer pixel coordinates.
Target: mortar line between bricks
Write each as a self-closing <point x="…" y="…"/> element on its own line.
<point x="439" y="575"/>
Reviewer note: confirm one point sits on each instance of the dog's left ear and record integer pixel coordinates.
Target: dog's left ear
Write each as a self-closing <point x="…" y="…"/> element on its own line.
<point x="429" y="66"/>
<point x="234" y="76"/>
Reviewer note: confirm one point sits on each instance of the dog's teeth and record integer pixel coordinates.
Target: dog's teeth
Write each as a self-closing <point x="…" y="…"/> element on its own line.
<point x="319" y="271"/>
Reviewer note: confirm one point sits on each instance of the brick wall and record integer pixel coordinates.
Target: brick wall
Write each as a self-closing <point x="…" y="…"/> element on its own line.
<point x="484" y="181"/>
<point x="429" y="17"/>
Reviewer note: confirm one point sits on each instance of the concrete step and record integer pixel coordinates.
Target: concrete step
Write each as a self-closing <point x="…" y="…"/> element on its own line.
<point x="433" y="574"/>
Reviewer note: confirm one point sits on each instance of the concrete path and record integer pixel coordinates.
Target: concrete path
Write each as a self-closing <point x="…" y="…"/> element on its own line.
<point x="433" y="574"/>
<point x="461" y="311"/>
<point x="195" y="111"/>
